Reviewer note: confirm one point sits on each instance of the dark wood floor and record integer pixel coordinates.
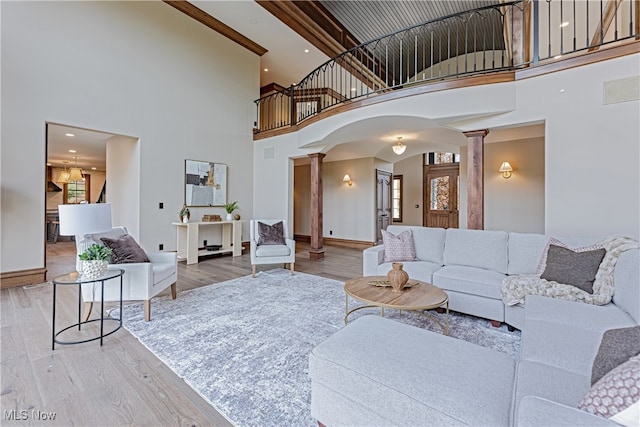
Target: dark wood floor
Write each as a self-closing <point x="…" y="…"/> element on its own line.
<point x="120" y="383"/>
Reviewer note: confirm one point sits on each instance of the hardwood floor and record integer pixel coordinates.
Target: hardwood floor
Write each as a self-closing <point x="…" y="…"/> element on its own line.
<point x="120" y="383"/>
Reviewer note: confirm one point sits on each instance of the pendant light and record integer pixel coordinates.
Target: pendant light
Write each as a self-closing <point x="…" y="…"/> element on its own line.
<point x="76" y="173"/>
<point x="399" y="147"/>
<point x="64" y="176"/>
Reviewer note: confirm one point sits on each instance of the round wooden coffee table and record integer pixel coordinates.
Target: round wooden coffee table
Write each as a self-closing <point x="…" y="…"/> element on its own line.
<point x="420" y="297"/>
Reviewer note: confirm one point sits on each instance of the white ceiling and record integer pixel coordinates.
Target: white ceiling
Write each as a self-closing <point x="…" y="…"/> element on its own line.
<point x="90" y="147"/>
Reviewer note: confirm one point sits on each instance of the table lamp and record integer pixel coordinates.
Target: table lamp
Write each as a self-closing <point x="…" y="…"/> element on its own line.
<point x="83" y="220"/>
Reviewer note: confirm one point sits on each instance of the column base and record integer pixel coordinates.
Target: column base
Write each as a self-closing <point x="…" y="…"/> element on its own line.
<point x="316" y="254"/>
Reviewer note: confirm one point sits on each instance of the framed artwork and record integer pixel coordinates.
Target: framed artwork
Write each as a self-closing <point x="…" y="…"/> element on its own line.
<point x="205" y="183"/>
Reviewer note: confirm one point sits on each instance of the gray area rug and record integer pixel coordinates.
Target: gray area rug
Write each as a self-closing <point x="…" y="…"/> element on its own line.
<point x="244" y="344"/>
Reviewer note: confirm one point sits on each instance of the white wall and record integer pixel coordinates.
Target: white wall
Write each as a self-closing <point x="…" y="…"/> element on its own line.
<point x="347" y="210"/>
<point x="592" y="150"/>
<point x="412" y="189"/>
<point x="123" y="179"/>
<point x="142" y="69"/>
<point x="517" y="203"/>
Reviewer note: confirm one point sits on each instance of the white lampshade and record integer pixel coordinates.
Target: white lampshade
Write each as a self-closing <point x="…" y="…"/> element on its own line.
<point x="399" y="147"/>
<point x="63" y="178"/>
<point x="506" y="170"/>
<point x="505" y="167"/>
<point x="84" y="218"/>
<point x="75" y="174"/>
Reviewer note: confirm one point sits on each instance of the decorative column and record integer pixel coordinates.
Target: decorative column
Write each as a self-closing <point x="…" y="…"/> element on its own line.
<point x="317" y="250"/>
<point x="475" y="178"/>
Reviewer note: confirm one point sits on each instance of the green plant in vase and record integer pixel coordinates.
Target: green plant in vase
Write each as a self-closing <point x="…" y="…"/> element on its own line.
<point x="95" y="260"/>
<point x="230" y="208"/>
<point x="184" y="213"/>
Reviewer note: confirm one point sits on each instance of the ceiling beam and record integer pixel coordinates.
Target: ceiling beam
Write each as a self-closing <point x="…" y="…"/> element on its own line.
<point x="314" y="23"/>
<point x="211" y="22"/>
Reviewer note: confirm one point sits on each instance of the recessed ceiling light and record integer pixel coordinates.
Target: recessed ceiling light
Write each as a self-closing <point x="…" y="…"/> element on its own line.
<point x="353" y="89"/>
<point x="48" y="164"/>
<point x="557" y="57"/>
<point x="70" y="134"/>
<point x="72" y="151"/>
<point x="306" y="51"/>
<point x="564" y="24"/>
<point x="93" y="169"/>
<point x="266" y="69"/>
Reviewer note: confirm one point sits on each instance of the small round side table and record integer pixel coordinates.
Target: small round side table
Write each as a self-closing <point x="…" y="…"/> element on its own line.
<point x="75" y="278"/>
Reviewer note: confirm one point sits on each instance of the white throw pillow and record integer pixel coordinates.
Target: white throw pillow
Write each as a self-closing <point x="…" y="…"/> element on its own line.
<point x="398" y="248"/>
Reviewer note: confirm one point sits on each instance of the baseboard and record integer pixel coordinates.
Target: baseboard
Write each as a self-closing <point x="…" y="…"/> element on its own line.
<point x="14" y="279"/>
<point x="332" y="241"/>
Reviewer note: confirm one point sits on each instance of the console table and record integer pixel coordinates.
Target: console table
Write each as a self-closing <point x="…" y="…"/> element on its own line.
<point x="188" y="239"/>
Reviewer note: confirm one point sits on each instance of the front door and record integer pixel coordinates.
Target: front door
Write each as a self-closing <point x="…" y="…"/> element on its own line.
<point x="442" y="196"/>
<point x="383" y="205"/>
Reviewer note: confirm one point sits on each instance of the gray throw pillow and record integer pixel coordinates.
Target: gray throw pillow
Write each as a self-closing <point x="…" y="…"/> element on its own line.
<point x="616" y="347"/>
<point x="271" y="234"/>
<point x="573" y="268"/>
<point x="125" y="250"/>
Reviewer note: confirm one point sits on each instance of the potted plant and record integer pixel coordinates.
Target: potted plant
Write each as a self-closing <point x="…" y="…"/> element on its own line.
<point x="184" y="213"/>
<point x="230" y="207"/>
<point x="95" y="260"/>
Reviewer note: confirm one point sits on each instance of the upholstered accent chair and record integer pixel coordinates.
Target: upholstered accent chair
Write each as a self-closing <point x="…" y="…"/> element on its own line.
<point x="141" y="280"/>
<point x="270" y="244"/>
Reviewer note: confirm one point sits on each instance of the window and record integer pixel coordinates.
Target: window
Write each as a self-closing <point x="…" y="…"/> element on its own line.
<point x="440" y="158"/>
<point x="396" y="199"/>
<point x="77" y="191"/>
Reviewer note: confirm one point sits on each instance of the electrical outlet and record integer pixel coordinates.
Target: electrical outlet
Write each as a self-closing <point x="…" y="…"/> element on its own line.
<point x="160" y="205"/>
<point x="161" y="247"/>
<point x="204" y="243"/>
<point x="330" y="232"/>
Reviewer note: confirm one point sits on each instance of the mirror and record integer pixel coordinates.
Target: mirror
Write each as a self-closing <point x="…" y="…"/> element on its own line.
<point x="205" y="183"/>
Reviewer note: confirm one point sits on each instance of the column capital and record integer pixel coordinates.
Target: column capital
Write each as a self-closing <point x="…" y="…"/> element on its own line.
<point x="317" y="155"/>
<point x="472" y="133"/>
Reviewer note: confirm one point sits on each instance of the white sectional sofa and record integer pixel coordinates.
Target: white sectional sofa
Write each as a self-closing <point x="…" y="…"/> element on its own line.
<point x="377" y="371"/>
<point x="470" y="265"/>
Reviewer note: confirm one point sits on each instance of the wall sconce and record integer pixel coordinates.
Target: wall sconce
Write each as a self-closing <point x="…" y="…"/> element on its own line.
<point x="506" y="170"/>
<point x="348" y="180"/>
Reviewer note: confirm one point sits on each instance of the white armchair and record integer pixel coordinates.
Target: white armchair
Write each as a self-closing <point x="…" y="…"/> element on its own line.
<point x="271" y="254"/>
<point x="141" y="281"/>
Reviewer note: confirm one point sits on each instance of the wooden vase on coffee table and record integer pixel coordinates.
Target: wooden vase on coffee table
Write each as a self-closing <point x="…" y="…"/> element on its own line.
<point x="397" y="277"/>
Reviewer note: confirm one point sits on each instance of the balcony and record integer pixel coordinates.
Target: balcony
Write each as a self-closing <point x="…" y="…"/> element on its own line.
<point x="480" y="46"/>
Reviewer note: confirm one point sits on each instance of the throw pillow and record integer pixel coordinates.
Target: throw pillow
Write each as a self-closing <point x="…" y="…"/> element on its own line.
<point x="398" y="248"/>
<point x="553" y="241"/>
<point x="617" y="346"/>
<point x="125" y="250"/>
<point x="271" y="234"/>
<point x="573" y="268"/>
<point x="615" y="392"/>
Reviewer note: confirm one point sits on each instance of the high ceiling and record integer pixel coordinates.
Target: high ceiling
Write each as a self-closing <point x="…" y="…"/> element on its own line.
<point x="368" y="20"/>
<point x="290" y="57"/>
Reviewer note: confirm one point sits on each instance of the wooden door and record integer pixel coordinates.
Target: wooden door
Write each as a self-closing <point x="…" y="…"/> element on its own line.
<point x="442" y="196"/>
<point x="383" y="202"/>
